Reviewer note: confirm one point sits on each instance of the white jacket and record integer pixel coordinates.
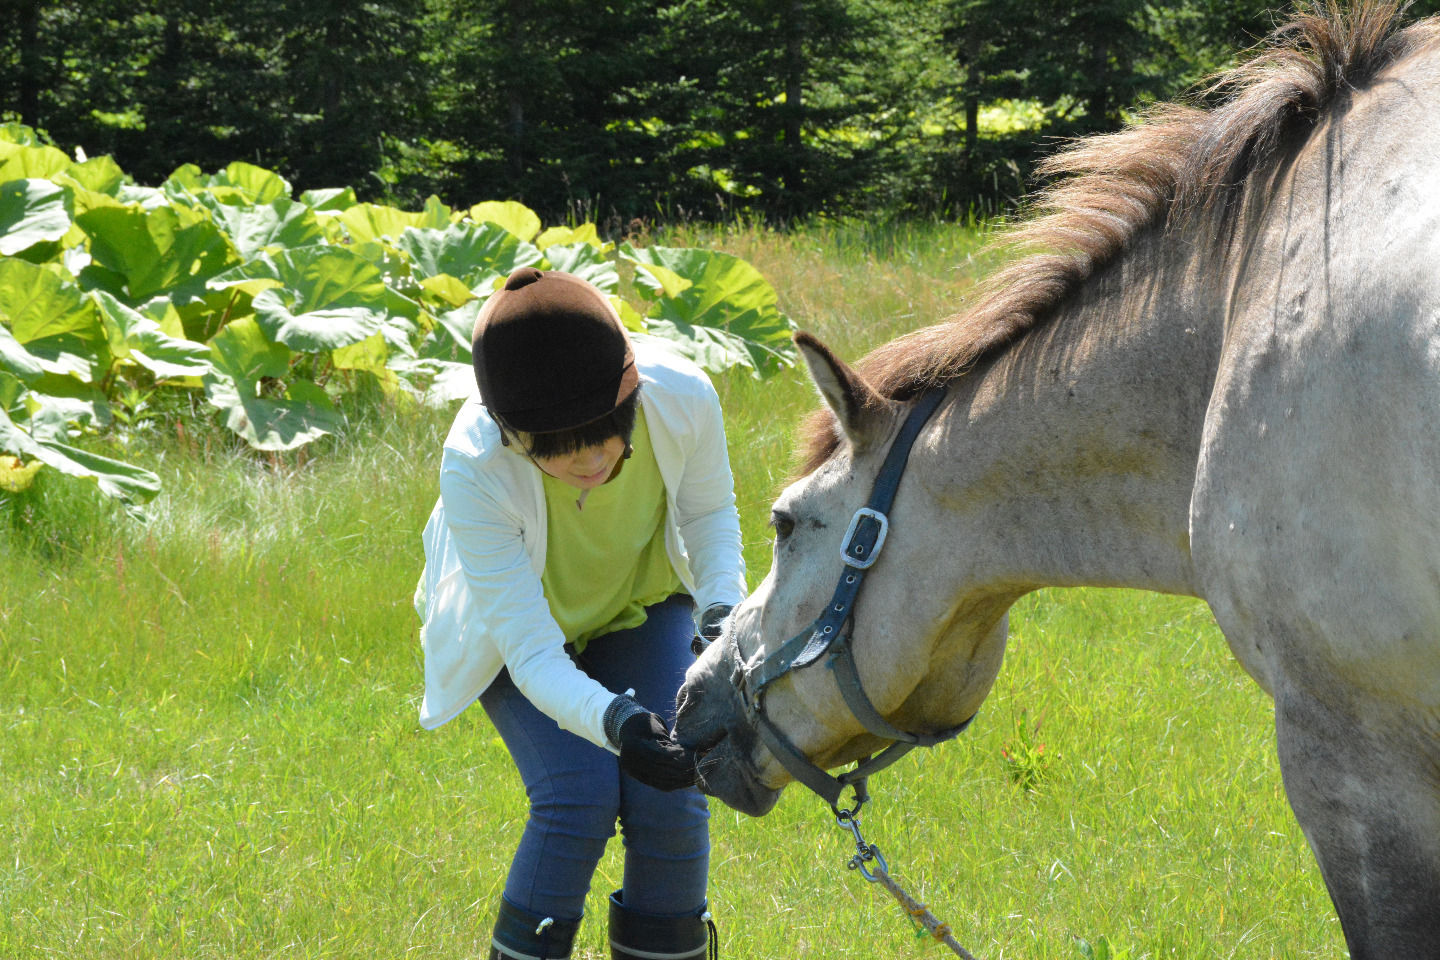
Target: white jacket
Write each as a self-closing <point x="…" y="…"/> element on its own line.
<point x="480" y="597"/>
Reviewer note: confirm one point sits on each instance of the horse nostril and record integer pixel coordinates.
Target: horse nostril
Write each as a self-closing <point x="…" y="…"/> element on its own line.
<point x="708" y="743"/>
<point x="688" y="698"/>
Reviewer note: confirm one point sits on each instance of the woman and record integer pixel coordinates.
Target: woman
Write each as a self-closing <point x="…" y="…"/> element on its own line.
<point x="586" y="508"/>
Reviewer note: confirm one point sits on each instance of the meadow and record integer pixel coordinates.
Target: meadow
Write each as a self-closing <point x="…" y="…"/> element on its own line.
<point x="209" y="746"/>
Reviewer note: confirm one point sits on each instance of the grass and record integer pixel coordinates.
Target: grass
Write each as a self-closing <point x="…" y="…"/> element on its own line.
<point x="208" y="743"/>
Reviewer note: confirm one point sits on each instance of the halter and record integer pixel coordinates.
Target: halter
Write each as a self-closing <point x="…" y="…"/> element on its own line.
<point x="832" y="631"/>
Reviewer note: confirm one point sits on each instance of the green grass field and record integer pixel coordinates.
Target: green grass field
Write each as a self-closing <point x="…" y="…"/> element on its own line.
<point x="209" y="747"/>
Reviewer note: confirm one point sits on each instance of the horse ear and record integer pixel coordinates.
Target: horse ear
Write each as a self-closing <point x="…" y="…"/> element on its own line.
<point x="864" y="415"/>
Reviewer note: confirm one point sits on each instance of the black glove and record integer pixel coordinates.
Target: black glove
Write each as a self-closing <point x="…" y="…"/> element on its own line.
<point x="712" y="624"/>
<point x="647" y="752"/>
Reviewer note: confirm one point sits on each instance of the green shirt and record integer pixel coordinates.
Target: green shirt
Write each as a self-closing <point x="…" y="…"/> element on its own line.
<point x="606" y="563"/>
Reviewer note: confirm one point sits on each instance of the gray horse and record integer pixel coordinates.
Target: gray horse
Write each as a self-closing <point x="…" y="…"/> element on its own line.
<point x="1217" y="373"/>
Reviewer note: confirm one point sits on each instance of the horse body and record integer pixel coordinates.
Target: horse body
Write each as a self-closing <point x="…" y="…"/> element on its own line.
<point x="1241" y="405"/>
<point x="1315" y="520"/>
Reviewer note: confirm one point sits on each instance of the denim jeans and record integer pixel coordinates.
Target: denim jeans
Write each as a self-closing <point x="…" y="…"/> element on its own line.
<point x="577" y="790"/>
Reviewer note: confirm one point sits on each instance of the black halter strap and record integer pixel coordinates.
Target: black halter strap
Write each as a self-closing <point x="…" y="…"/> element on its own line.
<point x="829" y="633"/>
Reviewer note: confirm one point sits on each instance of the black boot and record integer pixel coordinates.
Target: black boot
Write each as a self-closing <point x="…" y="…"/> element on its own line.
<point x="645" y="936"/>
<point x="522" y="935"/>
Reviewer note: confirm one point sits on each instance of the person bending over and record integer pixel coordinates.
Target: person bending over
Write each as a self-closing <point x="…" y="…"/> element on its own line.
<point x="586" y="511"/>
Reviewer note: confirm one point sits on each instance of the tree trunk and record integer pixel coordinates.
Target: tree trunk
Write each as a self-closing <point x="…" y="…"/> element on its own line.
<point x="1097" y="105"/>
<point x="972" y="128"/>
<point x="28" y="100"/>
<point x="794" y="98"/>
<point x="331" y="106"/>
<point x="515" y="92"/>
<point x="972" y="97"/>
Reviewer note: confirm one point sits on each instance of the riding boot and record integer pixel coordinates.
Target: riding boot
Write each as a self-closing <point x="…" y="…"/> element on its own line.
<point x="646" y="936"/>
<point x="522" y="935"/>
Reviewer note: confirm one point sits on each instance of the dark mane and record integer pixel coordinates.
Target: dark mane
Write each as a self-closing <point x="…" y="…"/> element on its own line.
<point x="1177" y="163"/>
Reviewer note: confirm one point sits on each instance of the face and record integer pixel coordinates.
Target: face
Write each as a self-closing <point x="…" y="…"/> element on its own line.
<point x="926" y="657"/>
<point x="586" y="468"/>
<point x="807" y="521"/>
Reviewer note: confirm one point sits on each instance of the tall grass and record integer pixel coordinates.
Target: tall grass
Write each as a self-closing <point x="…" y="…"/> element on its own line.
<point x="208" y="743"/>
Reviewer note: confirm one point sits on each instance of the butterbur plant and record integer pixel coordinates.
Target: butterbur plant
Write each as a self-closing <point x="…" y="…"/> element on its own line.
<point x="1101" y="950"/>
<point x="1024" y="757"/>
<point x="121" y="304"/>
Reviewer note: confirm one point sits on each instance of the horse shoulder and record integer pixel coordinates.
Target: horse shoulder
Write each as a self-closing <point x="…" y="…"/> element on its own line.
<point x="1315" y="517"/>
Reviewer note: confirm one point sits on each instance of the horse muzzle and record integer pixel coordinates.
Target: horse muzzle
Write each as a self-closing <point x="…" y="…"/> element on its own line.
<point x="712" y="722"/>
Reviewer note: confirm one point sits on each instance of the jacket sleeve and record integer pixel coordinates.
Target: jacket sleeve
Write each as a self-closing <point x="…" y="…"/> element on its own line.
<point x="709" y="523"/>
<point x="490" y="542"/>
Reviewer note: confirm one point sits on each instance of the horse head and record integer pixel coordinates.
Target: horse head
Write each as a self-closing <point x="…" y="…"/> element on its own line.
<point x="926" y="657"/>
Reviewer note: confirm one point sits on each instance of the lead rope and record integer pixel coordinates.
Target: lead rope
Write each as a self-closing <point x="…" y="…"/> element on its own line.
<point x="869" y="853"/>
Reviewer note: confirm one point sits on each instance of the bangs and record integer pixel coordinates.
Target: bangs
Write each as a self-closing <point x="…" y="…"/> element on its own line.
<point x="619" y="422"/>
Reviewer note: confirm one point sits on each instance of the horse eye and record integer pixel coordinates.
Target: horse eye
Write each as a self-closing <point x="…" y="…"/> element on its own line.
<point x="784" y="526"/>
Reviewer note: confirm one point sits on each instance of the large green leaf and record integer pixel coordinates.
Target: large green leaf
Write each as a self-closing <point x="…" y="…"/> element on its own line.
<point x="373" y="221"/>
<point x="327" y="297"/>
<point x="724" y="294"/>
<point x="443" y="289"/>
<point x="714" y="350"/>
<point x="66" y="355"/>
<point x="31" y="212"/>
<point x="460" y="323"/>
<point x="476" y="254"/>
<point x="584" y="261"/>
<point x="37" y="302"/>
<point x="23" y="134"/>
<point x="443" y="380"/>
<point x="329" y="198"/>
<point x="148" y="198"/>
<point x="12" y="389"/>
<point x="100" y="174"/>
<point x="282" y="318"/>
<point x="519" y="219"/>
<point x="390" y="260"/>
<point x="123" y="481"/>
<point x="240" y="183"/>
<point x="135" y="337"/>
<point x="19" y="162"/>
<point x="156" y="252"/>
<point x="280" y="223"/>
<point x="241" y="352"/>
<point x="258" y="185"/>
<point x="16" y="359"/>
<point x="301" y="414"/>
<point x="55" y="402"/>
<point x="585" y="233"/>
<point x="274" y="418"/>
<point x="369" y="354"/>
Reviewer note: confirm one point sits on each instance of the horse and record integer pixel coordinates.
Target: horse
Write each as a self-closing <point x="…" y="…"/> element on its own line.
<point x="1214" y="371"/>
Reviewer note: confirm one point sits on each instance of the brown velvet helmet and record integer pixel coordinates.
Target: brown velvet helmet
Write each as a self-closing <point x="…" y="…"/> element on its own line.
<point x="550" y="353"/>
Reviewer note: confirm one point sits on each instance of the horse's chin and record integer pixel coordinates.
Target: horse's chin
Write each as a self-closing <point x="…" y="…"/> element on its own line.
<point x="730" y="778"/>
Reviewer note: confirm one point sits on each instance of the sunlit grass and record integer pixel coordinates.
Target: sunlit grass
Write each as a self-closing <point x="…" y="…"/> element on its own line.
<point x="209" y="747"/>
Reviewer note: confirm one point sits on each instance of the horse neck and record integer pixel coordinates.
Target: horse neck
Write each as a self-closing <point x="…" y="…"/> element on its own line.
<point x="1073" y="455"/>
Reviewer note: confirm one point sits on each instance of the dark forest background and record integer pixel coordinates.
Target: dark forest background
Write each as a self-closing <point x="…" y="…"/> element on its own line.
<point x="613" y="110"/>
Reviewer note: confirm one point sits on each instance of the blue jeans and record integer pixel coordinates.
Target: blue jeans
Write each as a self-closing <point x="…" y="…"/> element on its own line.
<point x="577" y="790"/>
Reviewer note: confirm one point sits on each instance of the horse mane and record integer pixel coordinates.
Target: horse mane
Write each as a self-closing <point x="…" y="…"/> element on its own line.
<point x="1176" y="163"/>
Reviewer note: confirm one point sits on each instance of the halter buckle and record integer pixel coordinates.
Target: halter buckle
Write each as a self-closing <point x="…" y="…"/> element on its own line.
<point x="867" y="555"/>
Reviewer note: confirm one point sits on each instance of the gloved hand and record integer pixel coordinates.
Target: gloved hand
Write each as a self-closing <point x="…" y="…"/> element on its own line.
<point x="712" y="624"/>
<point x="647" y="752"/>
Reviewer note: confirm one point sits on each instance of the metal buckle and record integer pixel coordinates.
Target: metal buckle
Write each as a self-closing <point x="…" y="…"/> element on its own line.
<point x="846" y="551"/>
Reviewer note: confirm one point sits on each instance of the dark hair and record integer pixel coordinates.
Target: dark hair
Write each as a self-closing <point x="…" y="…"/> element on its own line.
<point x="619" y="422"/>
